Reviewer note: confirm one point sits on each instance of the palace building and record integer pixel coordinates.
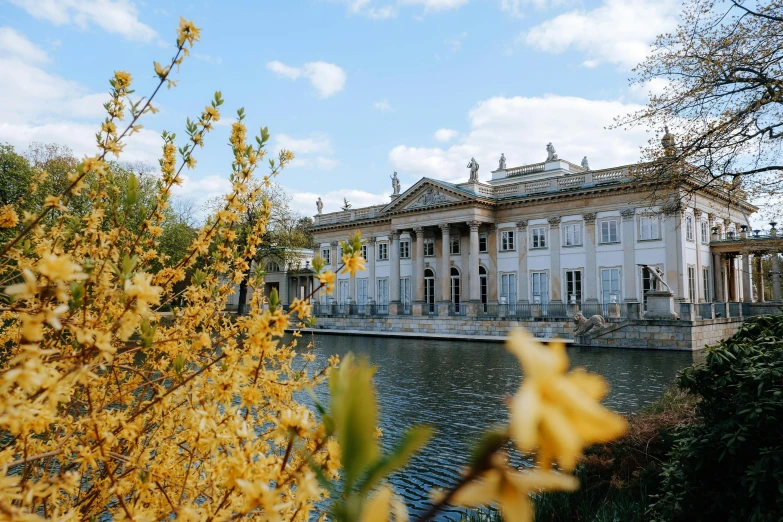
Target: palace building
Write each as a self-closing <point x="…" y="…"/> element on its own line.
<point x="540" y="235"/>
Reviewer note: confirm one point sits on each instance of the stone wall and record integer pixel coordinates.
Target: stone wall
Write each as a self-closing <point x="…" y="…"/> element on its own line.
<point x="634" y="333"/>
<point x="663" y="335"/>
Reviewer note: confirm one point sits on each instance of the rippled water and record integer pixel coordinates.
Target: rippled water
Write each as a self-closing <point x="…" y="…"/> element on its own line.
<point x="459" y="388"/>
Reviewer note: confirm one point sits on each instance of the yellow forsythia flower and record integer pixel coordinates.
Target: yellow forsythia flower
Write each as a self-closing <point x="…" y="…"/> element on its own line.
<point x="382" y="505"/>
<point x="557" y="412"/>
<point x="327" y="279"/>
<point x="8" y="217"/>
<point x="354" y="262"/>
<point x="59" y="268"/>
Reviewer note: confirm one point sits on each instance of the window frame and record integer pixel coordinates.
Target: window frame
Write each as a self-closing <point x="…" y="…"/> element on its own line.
<point x="452" y="242"/>
<point x="542" y="238"/>
<point x="364" y="251"/>
<point x="382" y="253"/>
<point x="689" y="228"/>
<point x="405" y="249"/>
<point x="483" y="236"/>
<point x="543" y="296"/>
<point x="508" y="240"/>
<point x="429" y="244"/>
<point x="609" y="222"/>
<point x="706" y="279"/>
<point x="653" y="220"/>
<point x="326" y="254"/>
<point x="619" y="291"/>
<point x="691" y="275"/>
<point x="704" y="227"/>
<point x="574" y="225"/>
<point x="577" y="281"/>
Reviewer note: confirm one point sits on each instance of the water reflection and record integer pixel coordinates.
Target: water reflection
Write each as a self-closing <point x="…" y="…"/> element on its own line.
<point x="459" y="387"/>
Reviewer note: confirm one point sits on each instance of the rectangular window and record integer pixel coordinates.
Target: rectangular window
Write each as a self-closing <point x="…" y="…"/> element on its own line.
<point x="609" y="231"/>
<point x="429" y="247"/>
<point x="574" y="286"/>
<point x="326" y="253"/>
<point x="482" y="242"/>
<point x="648" y="228"/>
<point x="405" y="249"/>
<point x="383" y="292"/>
<point x="705" y="232"/>
<point x="689" y="228"/>
<point x="342" y="291"/>
<point x="572" y="234"/>
<point x="405" y="290"/>
<point x="361" y="291"/>
<point x="364" y="251"/>
<point x="339" y="254"/>
<point x="692" y="283"/>
<point x="540" y="288"/>
<point x="539" y="238"/>
<point x="508" y="288"/>
<point x="454" y="245"/>
<point x="383" y="251"/>
<point x="705" y="284"/>
<point x="610" y="285"/>
<point x="507" y="240"/>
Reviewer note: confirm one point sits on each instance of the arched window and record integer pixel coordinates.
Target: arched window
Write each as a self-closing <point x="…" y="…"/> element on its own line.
<point x="483" y="286"/>
<point x="273" y="266"/>
<point x="455" y="286"/>
<point x="429" y="289"/>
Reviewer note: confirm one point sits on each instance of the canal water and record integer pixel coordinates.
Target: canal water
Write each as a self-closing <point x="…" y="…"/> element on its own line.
<point x="460" y="388"/>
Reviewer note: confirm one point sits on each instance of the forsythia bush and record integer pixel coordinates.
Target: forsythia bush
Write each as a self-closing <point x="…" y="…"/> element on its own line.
<point x="110" y="410"/>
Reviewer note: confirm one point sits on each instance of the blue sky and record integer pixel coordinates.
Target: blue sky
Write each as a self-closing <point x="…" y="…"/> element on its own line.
<point x="356" y="88"/>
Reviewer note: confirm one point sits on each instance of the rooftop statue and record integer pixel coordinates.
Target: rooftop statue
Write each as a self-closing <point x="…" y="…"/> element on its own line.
<point x="502" y="162"/>
<point x="551" y="154"/>
<point x="473" y="166"/>
<point x="395" y="185"/>
<point x="585" y="164"/>
<point x="319" y="205"/>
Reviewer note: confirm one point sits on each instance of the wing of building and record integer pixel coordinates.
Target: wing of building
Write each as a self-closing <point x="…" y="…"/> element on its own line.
<point x="545" y="233"/>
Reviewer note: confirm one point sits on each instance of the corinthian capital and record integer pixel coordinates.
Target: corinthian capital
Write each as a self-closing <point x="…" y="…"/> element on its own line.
<point x="522" y="224"/>
<point x="474" y="225"/>
<point x="589" y="218"/>
<point x="554" y="220"/>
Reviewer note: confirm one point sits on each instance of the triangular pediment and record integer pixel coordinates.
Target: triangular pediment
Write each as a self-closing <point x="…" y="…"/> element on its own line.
<point x="427" y="193"/>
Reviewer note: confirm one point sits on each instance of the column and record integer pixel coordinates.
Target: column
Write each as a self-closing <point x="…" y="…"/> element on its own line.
<point x="418" y="272"/>
<point x="746" y="288"/>
<point x="726" y="267"/>
<point x="473" y="263"/>
<point x="334" y="262"/>
<point x="775" y="276"/>
<point x="760" y="277"/>
<point x="675" y="272"/>
<point x="629" y="257"/>
<point x="371" y="269"/>
<point x="717" y="275"/>
<point x="697" y="237"/>
<point x="554" y="260"/>
<point x="590" y="277"/>
<point x="445" y="265"/>
<point x="524" y="277"/>
<point x="492" y="269"/>
<point x="394" y="261"/>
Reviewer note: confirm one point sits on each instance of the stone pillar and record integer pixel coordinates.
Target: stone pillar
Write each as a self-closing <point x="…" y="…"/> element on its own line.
<point x="590" y="277"/>
<point x="445" y="265"/>
<point x="334" y="262"/>
<point x="760" y="277"/>
<point x="726" y="266"/>
<point x="371" y="269"/>
<point x="394" y="261"/>
<point x="522" y="295"/>
<point x="554" y="267"/>
<point x="697" y="241"/>
<point x="675" y="273"/>
<point x="492" y="269"/>
<point x="747" y="294"/>
<point x="418" y="272"/>
<point x="473" y="263"/>
<point x="775" y="276"/>
<point x="629" y="260"/>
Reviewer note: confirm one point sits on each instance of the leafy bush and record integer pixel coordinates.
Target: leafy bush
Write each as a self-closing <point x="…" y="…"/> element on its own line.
<point x="729" y="464"/>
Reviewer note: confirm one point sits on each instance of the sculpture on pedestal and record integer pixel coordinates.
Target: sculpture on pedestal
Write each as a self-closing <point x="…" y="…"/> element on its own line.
<point x="657" y="274"/>
<point x="474" y="167"/>
<point x="584" y="325"/>
<point x="319" y="205"/>
<point x="502" y="162"/>
<point x="585" y="164"/>
<point x="395" y="185"/>
<point x="551" y="154"/>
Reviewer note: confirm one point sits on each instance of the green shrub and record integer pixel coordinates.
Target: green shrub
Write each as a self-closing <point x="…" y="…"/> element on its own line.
<point x="728" y="465"/>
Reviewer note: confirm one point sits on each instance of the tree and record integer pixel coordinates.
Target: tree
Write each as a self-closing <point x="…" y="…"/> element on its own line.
<point x="17" y="177"/>
<point x="722" y="97"/>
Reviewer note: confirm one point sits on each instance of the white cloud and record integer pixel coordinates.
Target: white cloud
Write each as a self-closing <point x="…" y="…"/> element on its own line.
<point x="390" y="8"/>
<point x="383" y="105"/>
<point x="455" y="42"/>
<point x="14" y="43"/>
<point x="619" y="31"/>
<point x="315" y="145"/>
<point x="445" y="135"/>
<point x="113" y="16"/>
<point x="435" y="5"/>
<point x="333" y="200"/>
<point x="521" y="127"/>
<point x="201" y="190"/>
<point x="655" y="86"/>
<point x="327" y="78"/>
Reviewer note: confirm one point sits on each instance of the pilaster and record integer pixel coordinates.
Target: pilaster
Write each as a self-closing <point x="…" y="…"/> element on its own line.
<point x="591" y="276"/>
<point x="554" y="237"/>
<point x="522" y="295"/>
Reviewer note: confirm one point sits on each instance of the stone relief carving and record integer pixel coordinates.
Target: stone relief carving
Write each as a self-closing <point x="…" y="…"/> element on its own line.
<point x="590" y="217"/>
<point x="428" y="198"/>
<point x="628" y="213"/>
<point x="522" y="224"/>
<point x="554" y="220"/>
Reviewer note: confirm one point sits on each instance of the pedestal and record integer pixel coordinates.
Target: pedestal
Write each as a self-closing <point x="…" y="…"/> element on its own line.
<point x="417" y="307"/>
<point x="472" y="308"/>
<point x="660" y="305"/>
<point x="395" y="308"/>
<point x="443" y="307"/>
